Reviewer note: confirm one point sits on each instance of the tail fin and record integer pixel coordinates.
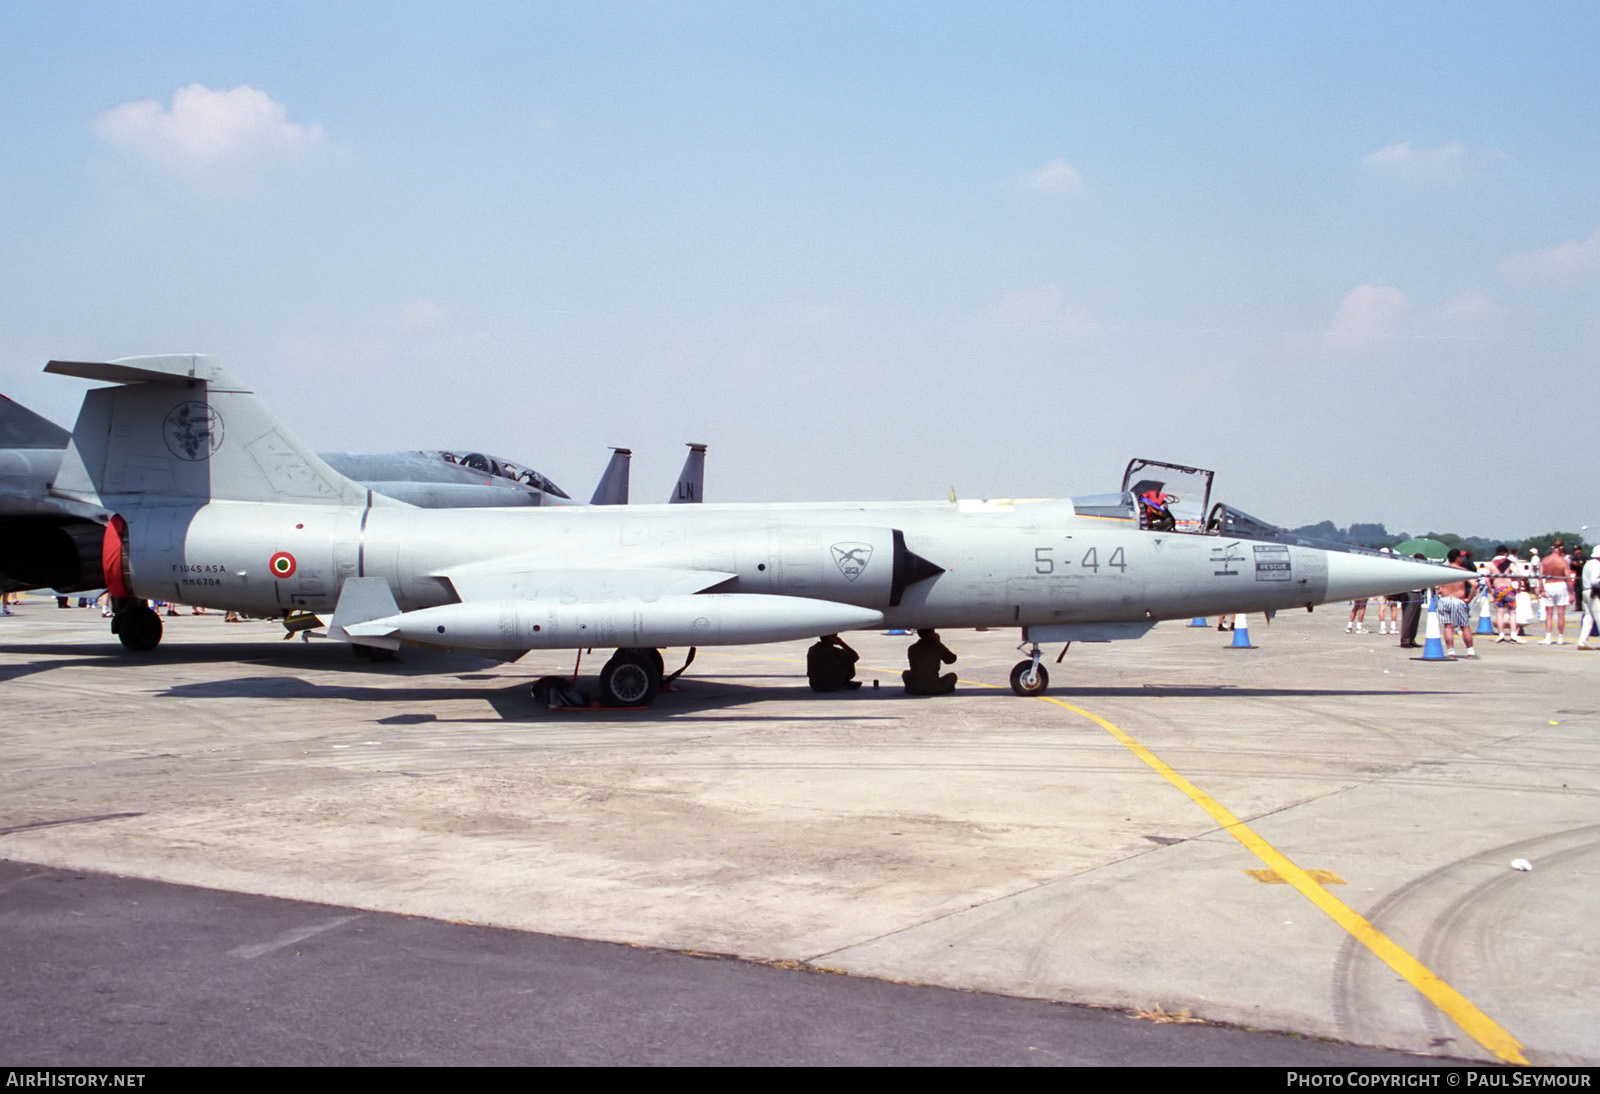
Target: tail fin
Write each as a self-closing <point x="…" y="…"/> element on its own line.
<point x="692" y="479"/>
<point x="181" y="428"/>
<point x="613" y="488"/>
<point x="22" y="428"/>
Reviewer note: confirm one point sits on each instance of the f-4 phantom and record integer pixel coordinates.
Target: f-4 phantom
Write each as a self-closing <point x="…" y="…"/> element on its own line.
<point x="217" y="503"/>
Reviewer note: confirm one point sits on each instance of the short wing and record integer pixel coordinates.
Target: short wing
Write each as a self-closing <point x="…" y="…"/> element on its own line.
<point x="503" y="580"/>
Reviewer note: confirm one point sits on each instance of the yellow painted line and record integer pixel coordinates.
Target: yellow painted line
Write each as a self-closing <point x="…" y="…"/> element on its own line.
<point x="1478" y="1025"/>
<point x="1321" y="877"/>
<point x="1457" y="1007"/>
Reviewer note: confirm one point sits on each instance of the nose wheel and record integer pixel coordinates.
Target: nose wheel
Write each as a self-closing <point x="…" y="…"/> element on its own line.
<point x="1029" y="677"/>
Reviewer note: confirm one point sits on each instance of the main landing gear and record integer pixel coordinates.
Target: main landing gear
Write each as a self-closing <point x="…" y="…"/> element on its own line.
<point x="136" y="624"/>
<point x="631" y="678"/>
<point x="1029" y="677"/>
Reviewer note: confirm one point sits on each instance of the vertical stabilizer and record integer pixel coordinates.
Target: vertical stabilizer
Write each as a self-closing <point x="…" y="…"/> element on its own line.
<point x="692" y="479"/>
<point x="613" y="488"/>
<point x="182" y="429"/>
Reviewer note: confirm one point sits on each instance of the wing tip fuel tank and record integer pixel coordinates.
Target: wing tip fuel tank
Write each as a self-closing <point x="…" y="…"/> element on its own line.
<point x="708" y="619"/>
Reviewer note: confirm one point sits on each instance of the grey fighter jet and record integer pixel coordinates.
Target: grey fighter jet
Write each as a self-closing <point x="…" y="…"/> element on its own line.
<point x="42" y="538"/>
<point x="216" y="503"/>
<point x="447" y="480"/>
<point x="613" y="486"/>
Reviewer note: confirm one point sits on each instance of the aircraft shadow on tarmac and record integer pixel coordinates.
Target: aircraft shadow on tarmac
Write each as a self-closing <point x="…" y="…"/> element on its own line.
<point x="284" y="655"/>
<point x="514" y="702"/>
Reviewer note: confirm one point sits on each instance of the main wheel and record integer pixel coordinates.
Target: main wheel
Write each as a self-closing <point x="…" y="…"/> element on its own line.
<point x="653" y="656"/>
<point x="630" y="679"/>
<point x="1028" y="680"/>
<point x="139" y="628"/>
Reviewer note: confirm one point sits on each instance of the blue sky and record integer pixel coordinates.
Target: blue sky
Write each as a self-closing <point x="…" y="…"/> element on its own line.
<point x="1347" y="255"/>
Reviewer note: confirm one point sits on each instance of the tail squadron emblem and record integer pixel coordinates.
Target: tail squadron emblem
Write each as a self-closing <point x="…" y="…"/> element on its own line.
<point x="852" y="558"/>
<point x="193" y="430"/>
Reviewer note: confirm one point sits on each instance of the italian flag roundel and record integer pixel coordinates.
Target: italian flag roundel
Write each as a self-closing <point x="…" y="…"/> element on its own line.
<point x="282" y="564"/>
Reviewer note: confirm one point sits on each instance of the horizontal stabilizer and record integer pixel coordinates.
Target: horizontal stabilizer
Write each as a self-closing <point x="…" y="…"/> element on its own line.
<point x="142" y="370"/>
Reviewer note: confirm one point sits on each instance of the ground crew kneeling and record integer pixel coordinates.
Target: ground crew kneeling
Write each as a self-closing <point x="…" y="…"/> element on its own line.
<point x="927" y="654"/>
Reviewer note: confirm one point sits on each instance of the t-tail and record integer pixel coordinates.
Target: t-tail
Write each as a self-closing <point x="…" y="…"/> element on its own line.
<point x="181" y="430"/>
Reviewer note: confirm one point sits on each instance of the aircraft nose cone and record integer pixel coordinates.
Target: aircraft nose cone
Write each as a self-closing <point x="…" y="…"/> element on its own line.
<point x="1353" y="576"/>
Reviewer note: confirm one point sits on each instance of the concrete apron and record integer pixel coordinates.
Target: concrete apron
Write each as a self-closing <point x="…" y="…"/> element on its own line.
<point x="978" y="840"/>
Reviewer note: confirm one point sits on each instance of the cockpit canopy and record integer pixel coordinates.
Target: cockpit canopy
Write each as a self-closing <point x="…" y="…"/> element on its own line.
<point x="1170" y="497"/>
<point x="505" y="469"/>
<point x="1159" y="496"/>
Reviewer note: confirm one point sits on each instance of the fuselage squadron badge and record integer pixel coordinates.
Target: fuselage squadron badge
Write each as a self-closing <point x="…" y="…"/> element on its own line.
<point x="281" y="564"/>
<point x="193" y="430"/>
<point x="852" y="558"/>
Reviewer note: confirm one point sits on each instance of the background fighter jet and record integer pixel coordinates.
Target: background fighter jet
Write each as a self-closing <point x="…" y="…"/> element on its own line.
<point x="613" y="486"/>
<point x="445" y="480"/>
<point x="216" y="503"/>
<point x="691" y="480"/>
<point x="44" y="539"/>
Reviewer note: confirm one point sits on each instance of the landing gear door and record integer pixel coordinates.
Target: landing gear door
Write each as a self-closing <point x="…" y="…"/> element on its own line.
<point x="1189" y="489"/>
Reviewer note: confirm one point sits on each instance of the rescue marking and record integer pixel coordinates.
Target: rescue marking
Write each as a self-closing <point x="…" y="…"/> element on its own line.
<point x="1272" y="562"/>
<point x="282" y="564"/>
<point x="1477" y="1025"/>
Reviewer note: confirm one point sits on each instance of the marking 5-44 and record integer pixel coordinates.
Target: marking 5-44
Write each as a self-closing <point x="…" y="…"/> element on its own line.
<point x="1045" y="562"/>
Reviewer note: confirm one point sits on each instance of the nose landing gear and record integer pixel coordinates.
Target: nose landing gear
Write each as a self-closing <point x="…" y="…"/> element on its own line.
<point x="1029" y="677"/>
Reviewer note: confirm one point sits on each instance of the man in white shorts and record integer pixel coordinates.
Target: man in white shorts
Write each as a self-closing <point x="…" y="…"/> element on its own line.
<point x="1556" y="575"/>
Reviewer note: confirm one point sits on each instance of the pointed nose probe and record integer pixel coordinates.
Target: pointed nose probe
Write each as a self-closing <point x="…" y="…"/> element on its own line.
<point x="1352" y="576"/>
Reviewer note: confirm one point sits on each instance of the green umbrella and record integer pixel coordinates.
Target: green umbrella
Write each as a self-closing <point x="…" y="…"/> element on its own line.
<point x="1429" y="548"/>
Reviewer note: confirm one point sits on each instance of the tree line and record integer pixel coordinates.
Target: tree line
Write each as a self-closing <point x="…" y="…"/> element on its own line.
<point x="1376" y="535"/>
